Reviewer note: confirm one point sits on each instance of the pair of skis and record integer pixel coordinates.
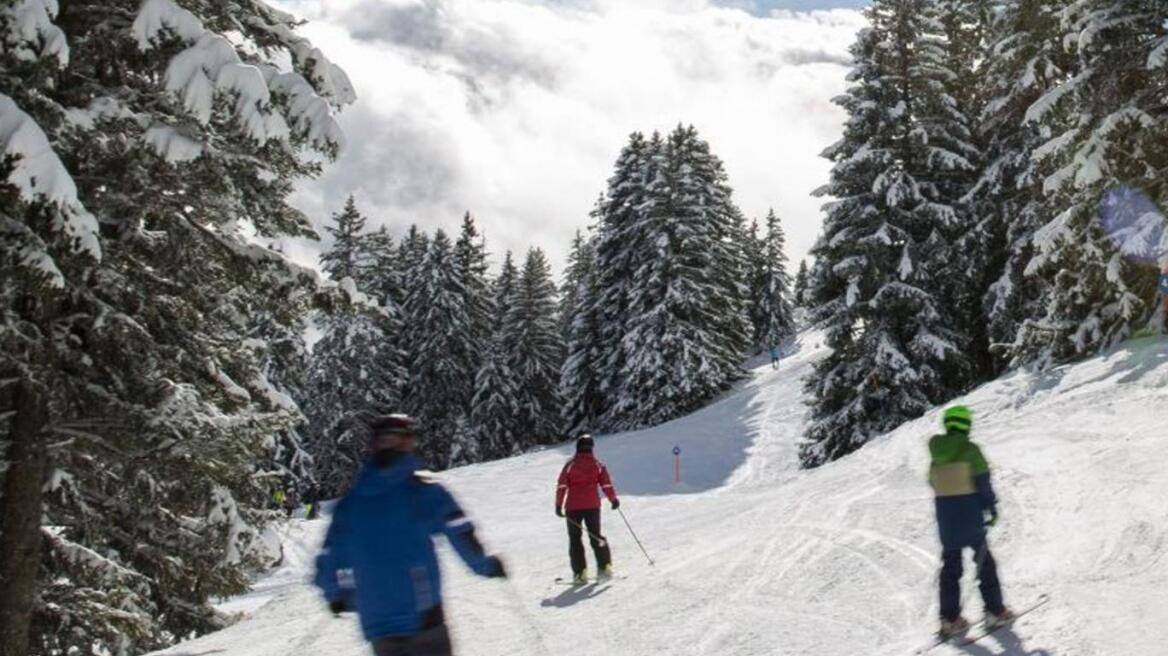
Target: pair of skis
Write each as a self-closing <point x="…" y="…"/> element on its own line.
<point x="969" y="638"/>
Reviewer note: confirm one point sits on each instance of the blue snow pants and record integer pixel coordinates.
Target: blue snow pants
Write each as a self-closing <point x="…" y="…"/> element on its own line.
<point x="987" y="576"/>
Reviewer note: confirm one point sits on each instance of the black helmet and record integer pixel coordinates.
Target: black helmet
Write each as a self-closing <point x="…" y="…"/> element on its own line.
<point x="584" y="443"/>
<point x="395" y="424"/>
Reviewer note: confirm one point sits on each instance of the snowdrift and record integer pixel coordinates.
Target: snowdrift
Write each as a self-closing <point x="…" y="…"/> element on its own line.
<point x="755" y="556"/>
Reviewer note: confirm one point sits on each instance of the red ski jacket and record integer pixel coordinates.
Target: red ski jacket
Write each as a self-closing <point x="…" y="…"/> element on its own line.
<point x="578" y="481"/>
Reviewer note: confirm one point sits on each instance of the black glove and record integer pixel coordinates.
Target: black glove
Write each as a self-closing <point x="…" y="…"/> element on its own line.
<point x="339" y="606"/>
<point x="615" y="504"/>
<point x="496" y="569"/>
<point x="559" y="511"/>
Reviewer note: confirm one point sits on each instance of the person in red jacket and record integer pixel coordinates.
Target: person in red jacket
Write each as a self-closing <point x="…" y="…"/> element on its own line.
<point x="577" y="497"/>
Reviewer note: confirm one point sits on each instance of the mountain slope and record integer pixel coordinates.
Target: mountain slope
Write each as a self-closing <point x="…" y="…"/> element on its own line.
<point x="754" y="556"/>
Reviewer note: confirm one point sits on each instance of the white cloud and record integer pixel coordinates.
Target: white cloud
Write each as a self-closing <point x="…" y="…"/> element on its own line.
<point x="517" y="109"/>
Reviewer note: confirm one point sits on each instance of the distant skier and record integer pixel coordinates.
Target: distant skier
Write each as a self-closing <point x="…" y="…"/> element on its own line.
<point x="960" y="477"/>
<point x="774" y="356"/>
<point x="378" y="556"/>
<point x="576" y="492"/>
<point x="291" y="502"/>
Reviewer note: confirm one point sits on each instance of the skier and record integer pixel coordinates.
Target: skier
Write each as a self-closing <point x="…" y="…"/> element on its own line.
<point x="774" y="356"/>
<point x="576" y="492"/>
<point x="960" y="477"/>
<point x="378" y="556"/>
<point x="291" y="502"/>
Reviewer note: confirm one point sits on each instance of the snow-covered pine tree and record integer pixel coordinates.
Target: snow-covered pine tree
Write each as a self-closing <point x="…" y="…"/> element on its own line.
<point x="882" y="260"/>
<point x="150" y="144"/>
<point x="495" y="414"/>
<point x="411" y="256"/>
<point x="753" y="249"/>
<point x="535" y="351"/>
<point x="687" y="324"/>
<point x="777" y="323"/>
<point x="470" y="257"/>
<point x="617" y="242"/>
<point x="440" y="358"/>
<point x="1109" y="180"/>
<point x="377" y="271"/>
<point x="356" y="369"/>
<point x="502" y="289"/>
<point x="801" y="280"/>
<point x="356" y="372"/>
<point x="1026" y="60"/>
<point x="579" y="387"/>
<point x="343" y="258"/>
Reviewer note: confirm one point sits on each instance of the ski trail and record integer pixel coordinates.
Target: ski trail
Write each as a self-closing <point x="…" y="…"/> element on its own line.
<point x="756" y="557"/>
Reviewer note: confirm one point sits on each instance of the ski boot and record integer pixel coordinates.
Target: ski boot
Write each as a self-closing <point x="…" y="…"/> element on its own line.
<point x="580" y="578"/>
<point x="993" y="622"/>
<point x="605" y="572"/>
<point x="952" y="628"/>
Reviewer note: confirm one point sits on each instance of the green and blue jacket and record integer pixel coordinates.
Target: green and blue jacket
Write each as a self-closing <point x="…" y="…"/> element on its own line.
<point x="960" y="477"/>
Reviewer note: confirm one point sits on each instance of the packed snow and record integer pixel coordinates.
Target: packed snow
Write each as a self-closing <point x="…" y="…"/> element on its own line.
<point x="755" y="556"/>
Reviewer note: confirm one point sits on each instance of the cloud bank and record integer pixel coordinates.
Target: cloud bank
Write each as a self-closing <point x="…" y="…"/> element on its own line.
<point x="516" y="110"/>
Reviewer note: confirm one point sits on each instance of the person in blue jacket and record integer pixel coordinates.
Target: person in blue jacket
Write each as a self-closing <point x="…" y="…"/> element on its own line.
<point x="378" y="556"/>
<point x="960" y="477"/>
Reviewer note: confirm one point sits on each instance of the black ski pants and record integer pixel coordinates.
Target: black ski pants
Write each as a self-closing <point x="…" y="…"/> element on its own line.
<point x="987" y="576"/>
<point x="434" y="641"/>
<point x="589" y="519"/>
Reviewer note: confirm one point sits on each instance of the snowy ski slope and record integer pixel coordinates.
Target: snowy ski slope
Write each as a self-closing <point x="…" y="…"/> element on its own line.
<point x="755" y="556"/>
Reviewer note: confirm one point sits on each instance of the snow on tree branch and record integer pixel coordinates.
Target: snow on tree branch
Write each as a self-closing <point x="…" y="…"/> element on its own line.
<point x="211" y="65"/>
<point x="40" y="175"/>
<point x="31" y="33"/>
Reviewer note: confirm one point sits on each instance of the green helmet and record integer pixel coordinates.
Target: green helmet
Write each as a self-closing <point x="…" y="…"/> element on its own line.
<point x="958" y="418"/>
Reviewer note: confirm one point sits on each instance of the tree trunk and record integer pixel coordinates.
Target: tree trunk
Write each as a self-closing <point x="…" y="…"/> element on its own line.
<point x="20" y="519"/>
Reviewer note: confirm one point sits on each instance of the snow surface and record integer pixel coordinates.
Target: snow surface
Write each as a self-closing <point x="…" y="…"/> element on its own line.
<point x="755" y="556"/>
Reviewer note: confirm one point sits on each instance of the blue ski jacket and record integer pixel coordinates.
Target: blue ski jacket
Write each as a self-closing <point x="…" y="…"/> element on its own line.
<point x="378" y="556"/>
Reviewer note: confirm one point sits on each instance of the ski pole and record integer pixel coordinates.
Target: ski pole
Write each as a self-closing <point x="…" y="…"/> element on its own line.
<point x="634" y="534"/>
<point x="601" y="541"/>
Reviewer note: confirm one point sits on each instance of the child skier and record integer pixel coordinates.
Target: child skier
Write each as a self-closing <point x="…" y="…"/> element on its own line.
<point x="960" y="477"/>
<point x="576" y="492"/>
<point x="378" y="557"/>
<point x="774" y="356"/>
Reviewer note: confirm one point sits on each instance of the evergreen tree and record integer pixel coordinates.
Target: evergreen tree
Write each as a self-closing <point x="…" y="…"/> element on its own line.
<point x="411" y="256"/>
<point x="470" y="256"/>
<point x="440" y="357"/>
<point x="579" y="377"/>
<point x="356" y="372"/>
<point x="1026" y="60"/>
<point x="1109" y="172"/>
<point x="378" y="274"/>
<point x="777" y="323"/>
<point x="495" y="408"/>
<point x="687" y="323"/>
<point x="757" y="265"/>
<point x="344" y="258"/>
<point x="134" y="342"/>
<point x="617" y="242"/>
<point x="882" y="260"/>
<point x="532" y="342"/>
<point x="801" y="281"/>
<point x="503" y="288"/>
<point x="357" y="369"/>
